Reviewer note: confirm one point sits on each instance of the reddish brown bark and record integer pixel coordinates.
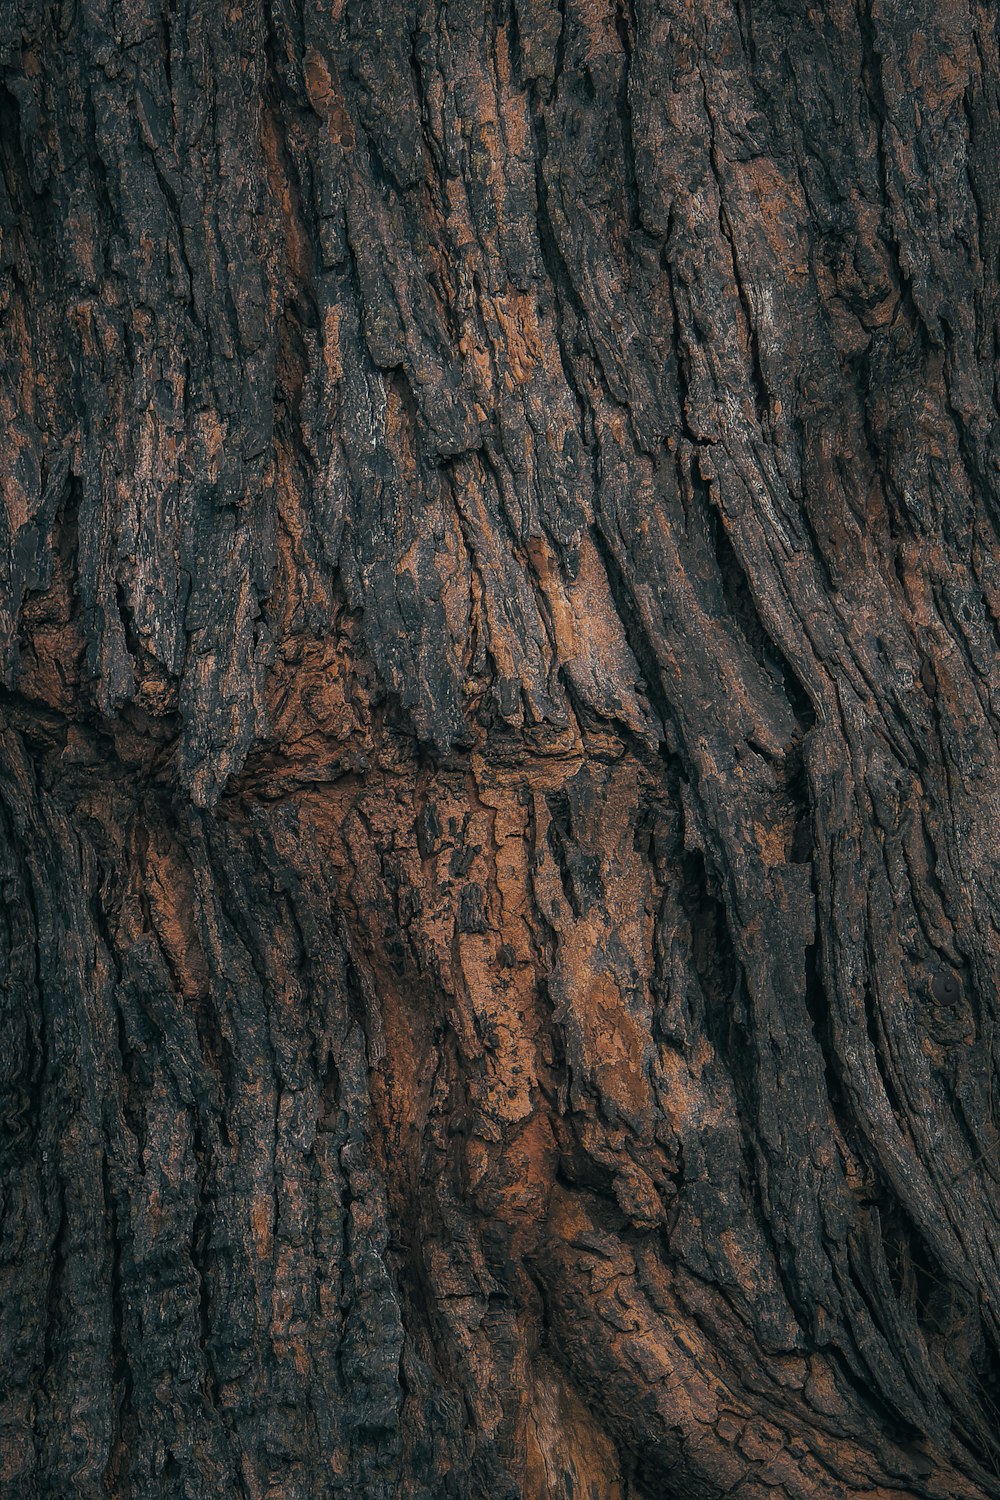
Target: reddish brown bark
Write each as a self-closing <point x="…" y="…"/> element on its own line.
<point x="498" y="762"/>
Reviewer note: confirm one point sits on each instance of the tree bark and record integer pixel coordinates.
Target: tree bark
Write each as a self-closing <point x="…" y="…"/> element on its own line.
<point x="499" y="749"/>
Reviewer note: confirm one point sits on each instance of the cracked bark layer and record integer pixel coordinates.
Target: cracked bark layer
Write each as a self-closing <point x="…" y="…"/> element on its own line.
<point x="499" y="750"/>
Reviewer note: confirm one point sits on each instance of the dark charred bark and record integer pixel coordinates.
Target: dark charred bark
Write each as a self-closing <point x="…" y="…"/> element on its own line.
<point x="498" y="749"/>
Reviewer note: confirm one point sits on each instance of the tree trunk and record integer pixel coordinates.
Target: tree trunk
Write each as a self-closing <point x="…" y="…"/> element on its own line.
<point x="498" y="754"/>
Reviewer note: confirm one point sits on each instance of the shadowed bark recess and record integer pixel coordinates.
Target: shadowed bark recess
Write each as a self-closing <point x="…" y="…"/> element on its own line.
<point x="499" y="795"/>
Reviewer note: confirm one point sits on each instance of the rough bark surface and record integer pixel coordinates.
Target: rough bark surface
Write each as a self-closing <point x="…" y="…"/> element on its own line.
<point x="499" y="749"/>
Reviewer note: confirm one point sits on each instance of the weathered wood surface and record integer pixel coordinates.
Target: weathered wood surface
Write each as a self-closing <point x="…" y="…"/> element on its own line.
<point x="498" y="769"/>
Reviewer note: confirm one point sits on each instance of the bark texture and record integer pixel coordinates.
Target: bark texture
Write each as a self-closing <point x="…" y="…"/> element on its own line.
<point x="499" y="749"/>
